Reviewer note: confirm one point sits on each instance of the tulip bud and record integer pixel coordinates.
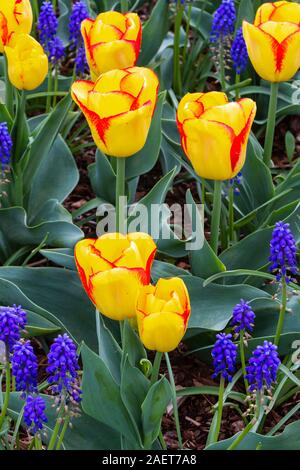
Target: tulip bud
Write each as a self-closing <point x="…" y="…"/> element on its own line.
<point x="27" y="62"/>
<point x="163" y="312"/>
<point x="112" y="41"/>
<point x="214" y="133"/>
<point x="119" y="107"/>
<point x="113" y="268"/>
<point x="15" y="18"/>
<point x="273" y="41"/>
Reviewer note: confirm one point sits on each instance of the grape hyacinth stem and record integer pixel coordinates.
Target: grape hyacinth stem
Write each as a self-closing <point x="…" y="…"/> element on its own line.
<point x="216" y="215"/>
<point x="237" y="90"/>
<point x="174" y="400"/>
<point x="282" y="311"/>
<point x="63" y="432"/>
<point x="7" y="392"/>
<point x="243" y="360"/>
<point x="120" y="193"/>
<point x="57" y="426"/>
<point x="222" y="67"/>
<point x="219" y="410"/>
<point x="269" y="139"/>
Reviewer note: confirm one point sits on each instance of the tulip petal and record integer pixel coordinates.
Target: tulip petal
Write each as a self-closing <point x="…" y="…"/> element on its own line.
<point x="278" y="11"/>
<point x="109" y="104"/>
<point x="113" y="55"/>
<point x="133" y="27"/>
<point x="273" y="61"/>
<point x="131" y="128"/>
<point x="110" y="81"/>
<point x="115" y="292"/>
<point x="194" y="104"/>
<point x="15" y="17"/>
<point x="161" y="331"/>
<point x="174" y="291"/>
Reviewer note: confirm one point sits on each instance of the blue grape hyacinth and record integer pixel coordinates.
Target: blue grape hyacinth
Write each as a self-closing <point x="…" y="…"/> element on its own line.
<point x="263" y="367"/>
<point x="34" y="413"/>
<point x="6" y="145"/>
<point x="78" y="14"/>
<point x="239" y="53"/>
<point x="223" y="21"/>
<point x="56" y="50"/>
<point x="63" y="369"/>
<point x="47" y="24"/>
<point x="224" y="356"/>
<point x="283" y="252"/>
<point x="81" y="61"/>
<point x="243" y="317"/>
<point x="12" y="321"/>
<point x="24" y="367"/>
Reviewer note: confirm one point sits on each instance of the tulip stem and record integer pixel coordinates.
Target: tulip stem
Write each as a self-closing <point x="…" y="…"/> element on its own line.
<point x="9" y="91"/>
<point x="219" y="410"/>
<point x="174" y="400"/>
<point x="120" y="193"/>
<point x="176" y="60"/>
<point x="216" y="215"/>
<point x="98" y="330"/>
<point x="156" y="367"/>
<point x="49" y="89"/>
<point x="231" y="213"/>
<point x="282" y="311"/>
<point x="124" y="6"/>
<point x="269" y="139"/>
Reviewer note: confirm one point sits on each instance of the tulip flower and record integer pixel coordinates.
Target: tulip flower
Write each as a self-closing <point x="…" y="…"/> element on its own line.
<point x="273" y="44"/>
<point x="113" y="268"/>
<point x="15" y="17"/>
<point x="214" y="133"/>
<point x="163" y="312"/>
<point x="273" y="41"/>
<point x="112" y="41"/>
<point x="27" y="62"/>
<point x="119" y="107"/>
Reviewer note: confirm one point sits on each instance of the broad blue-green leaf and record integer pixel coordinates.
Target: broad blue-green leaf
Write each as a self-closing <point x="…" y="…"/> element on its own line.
<point x="86" y="432"/>
<point x="101" y="397"/>
<point x="154" y="32"/>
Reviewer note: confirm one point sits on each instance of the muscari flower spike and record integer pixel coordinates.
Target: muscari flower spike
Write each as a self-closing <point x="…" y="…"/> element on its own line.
<point x="62" y="367"/>
<point x="34" y="413"/>
<point x="224" y="356"/>
<point x="223" y="21"/>
<point x="47" y="24"/>
<point x="283" y="252"/>
<point x="12" y="320"/>
<point x="239" y="52"/>
<point x="243" y="317"/>
<point x="6" y="144"/>
<point x="78" y="14"/>
<point x="56" y="50"/>
<point x="24" y="367"/>
<point x="80" y="60"/>
<point x="263" y="367"/>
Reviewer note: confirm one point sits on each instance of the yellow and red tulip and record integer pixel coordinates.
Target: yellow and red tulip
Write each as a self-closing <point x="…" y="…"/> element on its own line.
<point x="113" y="268"/>
<point x="15" y="18"/>
<point x="112" y="41"/>
<point x="214" y="133"/>
<point x="27" y="62"/>
<point x="119" y="107"/>
<point x="163" y="313"/>
<point x="273" y="41"/>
